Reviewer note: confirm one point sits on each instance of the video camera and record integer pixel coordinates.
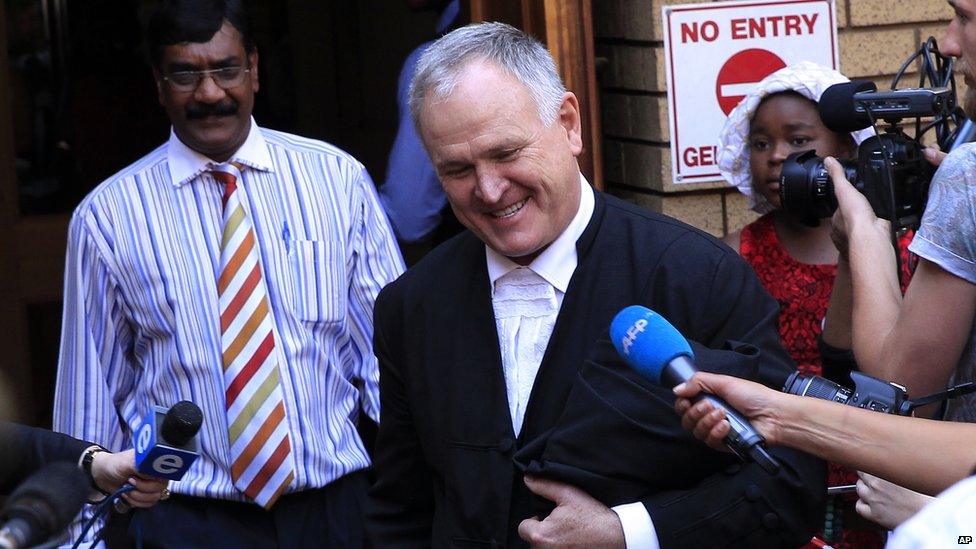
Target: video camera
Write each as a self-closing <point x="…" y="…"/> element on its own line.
<point x="890" y="170"/>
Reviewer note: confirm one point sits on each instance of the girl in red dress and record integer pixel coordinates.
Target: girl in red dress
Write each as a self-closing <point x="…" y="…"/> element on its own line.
<point x="796" y="263"/>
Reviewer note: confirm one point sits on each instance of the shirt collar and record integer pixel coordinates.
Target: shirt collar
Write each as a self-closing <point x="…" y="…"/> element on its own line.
<point x="448" y="16"/>
<point x="185" y="164"/>
<point x="557" y="263"/>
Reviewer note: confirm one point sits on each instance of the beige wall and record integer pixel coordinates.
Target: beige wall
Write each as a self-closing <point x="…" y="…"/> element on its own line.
<point x="875" y="37"/>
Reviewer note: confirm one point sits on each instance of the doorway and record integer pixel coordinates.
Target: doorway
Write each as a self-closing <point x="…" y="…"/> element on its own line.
<point x="78" y="103"/>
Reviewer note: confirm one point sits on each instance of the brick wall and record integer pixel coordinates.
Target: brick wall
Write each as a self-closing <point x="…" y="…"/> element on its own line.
<point x="875" y="37"/>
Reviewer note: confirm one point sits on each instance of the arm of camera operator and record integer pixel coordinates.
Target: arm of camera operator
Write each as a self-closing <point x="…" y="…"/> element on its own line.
<point x="896" y="448"/>
<point x="835" y="342"/>
<point x="916" y="340"/>
<point x="837" y="322"/>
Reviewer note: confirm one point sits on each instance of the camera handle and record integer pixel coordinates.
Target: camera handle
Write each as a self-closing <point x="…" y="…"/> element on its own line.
<point x="965" y="134"/>
<point x="952" y="392"/>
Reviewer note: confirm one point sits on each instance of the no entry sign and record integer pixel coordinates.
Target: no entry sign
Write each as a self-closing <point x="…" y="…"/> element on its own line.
<point x="740" y="73"/>
<point x="716" y="53"/>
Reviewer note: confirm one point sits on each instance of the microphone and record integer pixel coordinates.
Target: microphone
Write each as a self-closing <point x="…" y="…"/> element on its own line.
<point x="42" y="506"/>
<point x="658" y="352"/>
<point x="166" y="444"/>
<point x="836" y="106"/>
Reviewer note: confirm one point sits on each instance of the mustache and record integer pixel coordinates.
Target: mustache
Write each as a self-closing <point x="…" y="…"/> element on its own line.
<point x="195" y="111"/>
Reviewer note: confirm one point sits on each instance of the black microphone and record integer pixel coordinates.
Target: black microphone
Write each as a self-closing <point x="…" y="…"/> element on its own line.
<point x="181" y="423"/>
<point x="653" y="347"/>
<point x="836" y="106"/>
<point x="43" y="505"/>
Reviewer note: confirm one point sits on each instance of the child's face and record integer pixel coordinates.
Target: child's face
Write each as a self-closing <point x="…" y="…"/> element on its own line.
<point x="785" y="124"/>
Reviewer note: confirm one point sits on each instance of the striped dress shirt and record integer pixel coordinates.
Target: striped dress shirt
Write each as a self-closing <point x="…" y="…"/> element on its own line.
<point x="141" y="315"/>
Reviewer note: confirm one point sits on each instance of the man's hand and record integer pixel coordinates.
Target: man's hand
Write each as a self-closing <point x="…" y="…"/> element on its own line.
<point x="933" y="155"/>
<point x="853" y="211"/>
<point x="577" y="521"/>
<point x="754" y="401"/>
<point x="885" y="503"/>
<point x="112" y="470"/>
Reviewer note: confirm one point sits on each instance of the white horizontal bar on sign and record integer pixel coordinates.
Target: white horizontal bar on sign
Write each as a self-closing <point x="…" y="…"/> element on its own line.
<point x="735" y="90"/>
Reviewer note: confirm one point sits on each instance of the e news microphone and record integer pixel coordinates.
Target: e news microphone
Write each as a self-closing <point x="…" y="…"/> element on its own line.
<point x="166" y="444"/>
<point x="42" y="506"/>
<point x="657" y="351"/>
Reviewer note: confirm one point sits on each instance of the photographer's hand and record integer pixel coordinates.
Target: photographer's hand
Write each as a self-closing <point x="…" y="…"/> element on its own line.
<point x="886" y="503"/>
<point x="854" y="212"/>
<point x="933" y="155"/>
<point x="759" y="404"/>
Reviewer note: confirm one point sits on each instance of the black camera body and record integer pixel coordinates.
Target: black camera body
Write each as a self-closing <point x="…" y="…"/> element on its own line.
<point x="895" y="105"/>
<point x="869" y="392"/>
<point x="890" y="169"/>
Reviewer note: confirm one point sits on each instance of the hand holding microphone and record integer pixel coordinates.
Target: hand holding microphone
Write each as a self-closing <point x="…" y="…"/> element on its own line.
<point x="756" y="402"/>
<point x="111" y="471"/>
<point x="165" y="447"/>
<point x="656" y="350"/>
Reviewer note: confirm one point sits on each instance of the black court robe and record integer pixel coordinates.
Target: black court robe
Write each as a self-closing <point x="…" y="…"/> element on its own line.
<point x="446" y="476"/>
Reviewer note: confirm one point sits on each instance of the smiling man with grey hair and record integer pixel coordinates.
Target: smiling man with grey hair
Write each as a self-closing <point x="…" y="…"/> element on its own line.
<point x="493" y="348"/>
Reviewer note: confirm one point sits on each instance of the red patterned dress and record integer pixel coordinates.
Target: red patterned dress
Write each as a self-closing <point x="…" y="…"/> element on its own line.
<point x="803" y="292"/>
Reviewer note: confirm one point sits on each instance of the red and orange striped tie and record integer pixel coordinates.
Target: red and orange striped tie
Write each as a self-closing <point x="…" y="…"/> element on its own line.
<point x="261" y="461"/>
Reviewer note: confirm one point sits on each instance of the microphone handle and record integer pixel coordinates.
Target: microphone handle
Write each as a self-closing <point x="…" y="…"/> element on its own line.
<point x="742" y="439"/>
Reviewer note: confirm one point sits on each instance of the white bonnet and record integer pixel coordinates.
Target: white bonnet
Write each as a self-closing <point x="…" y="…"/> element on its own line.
<point x="806" y="78"/>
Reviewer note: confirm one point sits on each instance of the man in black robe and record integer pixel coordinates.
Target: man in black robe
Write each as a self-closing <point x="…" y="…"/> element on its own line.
<point x="495" y="343"/>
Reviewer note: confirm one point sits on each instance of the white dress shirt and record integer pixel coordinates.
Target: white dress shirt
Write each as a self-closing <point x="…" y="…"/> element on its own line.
<point x="525" y="307"/>
<point x="524" y="320"/>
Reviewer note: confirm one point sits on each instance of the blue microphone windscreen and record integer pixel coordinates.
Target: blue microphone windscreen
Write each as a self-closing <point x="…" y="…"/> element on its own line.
<point x="647" y="341"/>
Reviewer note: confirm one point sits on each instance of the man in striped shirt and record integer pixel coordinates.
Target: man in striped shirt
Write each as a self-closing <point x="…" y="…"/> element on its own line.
<point x="235" y="267"/>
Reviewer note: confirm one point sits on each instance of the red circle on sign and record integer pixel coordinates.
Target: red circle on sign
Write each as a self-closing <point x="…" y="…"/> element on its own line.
<point x="744" y="68"/>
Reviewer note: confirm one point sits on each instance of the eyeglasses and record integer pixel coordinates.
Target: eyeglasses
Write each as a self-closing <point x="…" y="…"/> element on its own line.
<point x="227" y="78"/>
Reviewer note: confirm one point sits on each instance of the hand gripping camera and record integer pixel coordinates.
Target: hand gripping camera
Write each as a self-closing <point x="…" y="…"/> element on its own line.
<point x="889" y="170"/>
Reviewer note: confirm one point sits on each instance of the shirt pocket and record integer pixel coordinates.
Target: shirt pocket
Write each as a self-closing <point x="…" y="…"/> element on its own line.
<point x="319" y="270"/>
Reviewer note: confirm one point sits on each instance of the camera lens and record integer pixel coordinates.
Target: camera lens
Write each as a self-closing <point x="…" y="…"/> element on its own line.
<point x="816" y="387"/>
<point x="805" y="190"/>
